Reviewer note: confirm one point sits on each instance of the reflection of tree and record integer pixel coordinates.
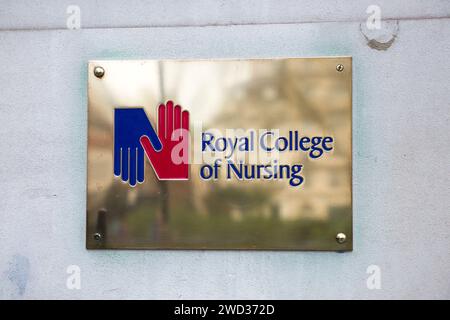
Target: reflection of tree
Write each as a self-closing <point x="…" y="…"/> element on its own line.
<point x="116" y="208"/>
<point x="274" y="97"/>
<point x="278" y="95"/>
<point x="162" y="185"/>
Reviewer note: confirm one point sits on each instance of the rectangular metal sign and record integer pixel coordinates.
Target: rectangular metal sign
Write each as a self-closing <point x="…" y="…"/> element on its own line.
<point x="220" y="154"/>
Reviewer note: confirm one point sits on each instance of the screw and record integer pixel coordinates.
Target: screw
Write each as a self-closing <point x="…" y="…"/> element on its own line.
<point x="341" y="237"/>
<point x="340" y="67"/>
<point x="97" y="236"/>
<point x="99" y="72"/>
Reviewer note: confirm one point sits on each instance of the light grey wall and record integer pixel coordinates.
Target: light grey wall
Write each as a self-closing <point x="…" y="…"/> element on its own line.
<point x="401" y="140"/>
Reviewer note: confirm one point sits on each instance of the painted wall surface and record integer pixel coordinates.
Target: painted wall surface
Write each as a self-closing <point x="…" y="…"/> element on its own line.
<point x="401" y="160"/>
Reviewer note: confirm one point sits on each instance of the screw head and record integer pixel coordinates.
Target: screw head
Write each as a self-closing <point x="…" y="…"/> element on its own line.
<point x="340" y="67"/>
<point x="97" y="236"/>
<point x="341" y="237"/>
<point x="99" y="72"/>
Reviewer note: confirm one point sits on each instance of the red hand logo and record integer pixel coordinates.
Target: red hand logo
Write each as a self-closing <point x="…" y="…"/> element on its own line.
<point x="171" y="162"/>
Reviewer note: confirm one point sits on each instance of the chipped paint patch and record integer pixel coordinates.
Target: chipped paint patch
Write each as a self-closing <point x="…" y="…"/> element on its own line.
<point x="381" y="39"/>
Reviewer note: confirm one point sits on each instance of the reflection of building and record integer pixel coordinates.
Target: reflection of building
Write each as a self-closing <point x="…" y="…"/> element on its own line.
<point x="287" y="95"/>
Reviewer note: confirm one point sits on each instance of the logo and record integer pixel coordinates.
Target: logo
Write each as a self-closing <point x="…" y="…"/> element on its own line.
<point x="245" y="155"/>
<point x="135" y="138"/>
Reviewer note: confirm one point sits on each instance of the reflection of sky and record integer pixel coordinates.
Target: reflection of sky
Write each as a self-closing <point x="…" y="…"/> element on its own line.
<point x="137" y="83"/>
<point x="126" y="84"/>
<point x="183" y="81"/>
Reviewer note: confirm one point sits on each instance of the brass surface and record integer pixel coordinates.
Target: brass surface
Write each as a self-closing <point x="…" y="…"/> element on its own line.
<point x="309" y="95"/>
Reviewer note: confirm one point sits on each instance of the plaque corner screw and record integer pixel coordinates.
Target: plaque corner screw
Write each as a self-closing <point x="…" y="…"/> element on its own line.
<point x="97" y="236"/>
<point x="340" y="67"/>
<point x="99" y="72"/>
<point x="341" y="237"/>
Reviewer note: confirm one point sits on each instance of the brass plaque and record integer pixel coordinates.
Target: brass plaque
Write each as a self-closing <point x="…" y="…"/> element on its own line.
<point x="220" y="154"/>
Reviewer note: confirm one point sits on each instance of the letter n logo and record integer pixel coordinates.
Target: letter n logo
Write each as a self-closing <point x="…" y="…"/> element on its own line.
<point x="167" y="150"/>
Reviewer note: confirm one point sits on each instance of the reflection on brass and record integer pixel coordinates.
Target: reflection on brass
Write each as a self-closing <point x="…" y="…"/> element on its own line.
<point x="311" y="96"/>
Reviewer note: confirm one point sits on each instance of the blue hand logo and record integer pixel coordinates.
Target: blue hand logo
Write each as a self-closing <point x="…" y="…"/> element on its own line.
<point x="130" y="124"/>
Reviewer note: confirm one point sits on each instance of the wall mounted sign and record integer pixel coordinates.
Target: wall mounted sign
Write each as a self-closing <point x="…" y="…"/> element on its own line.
<point x="225" y="154"/>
